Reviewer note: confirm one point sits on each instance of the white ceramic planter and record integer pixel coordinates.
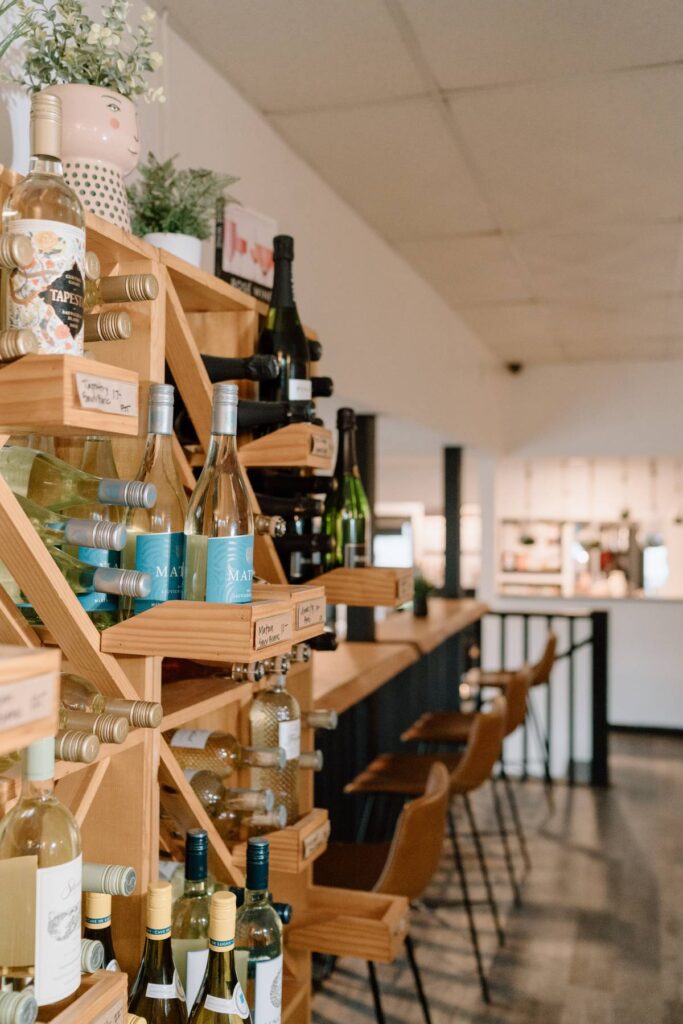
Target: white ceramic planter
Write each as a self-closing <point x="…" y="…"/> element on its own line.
<point x="100" y="145"/>
<point x="186" y="247"/>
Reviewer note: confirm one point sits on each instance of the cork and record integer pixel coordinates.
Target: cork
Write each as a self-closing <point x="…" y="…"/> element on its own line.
<point x="222" y="920"/>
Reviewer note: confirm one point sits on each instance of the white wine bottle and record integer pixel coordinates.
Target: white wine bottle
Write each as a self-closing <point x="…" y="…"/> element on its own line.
<point x="214" y="795"/>
<point x="157" y="994"/>
<point x="107" y="728"/>
<point x="18" y="1007"/>
<point x="113" y="879"/>
<point x="16" y="252"/>
<point x="98" y="926"/>
<point x="15" y="344"/>
<point x="108" y="326"/>
<point x="258" y="940"/>
<point x="237" y="826"/>
<point x="219" y="560"/>
<point x="190" y="925"/>
<point x="55" y="484"/>
<point x="55" y="528"/>
<point x="275" y="720"/>
<point x="82" y="695"/>
<point x="39" y="825"/>
<point x="269" y="526"/>
<point x="320" y="718"/>
<point x="219" y="752"/>
<point x="76" y="747"/>
<point x="119" y="288"/>
<point x="92" y="955"/>
<point x="221" y="999"/>
<point x="47" y="296"/>
<point x="156" y="538"/>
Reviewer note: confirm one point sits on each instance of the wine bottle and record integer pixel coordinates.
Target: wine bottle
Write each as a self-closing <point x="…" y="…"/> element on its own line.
<point x="112" y="879"/>
<point x="16" y="252"/>
<point x="120" y="288"/>
<point x="283" y="910"/>
<point x="81" y="695"/>
<point x="55" y="528"/>
<point x="213" y="794"/>
<point x="282" y="335"/>
<point x="156" y="538"/>
<point x="92" y="955"/>
<point x="15" y="344"/>
<point x="93" y="270"/>
<point x="312" y="543"/>
<point x="280" y="663"/>
<point x="219" y="752"/>
<point x="132" y="1018"/>
<point x="111" y="325"/>
<point x="219" y="528"/>
<point x="98" y="926"/>
<point x="157" y="994"/>
<point x="56" y="485"/>
<point x="258" y="940"/>
<point x="300" y="654"/>
<point x="107" y="728"/>
<point x="47" y="296"/>
<point x="269" y="526"/>
<point x="289" y="484"/>
<point x="220" y="999"/>
<point x="176" y="669"/>
<point x="76" y="747"/>
<point x="18" y="1007"/>
<point x="320" y="718"/>
<point x="190" y="923"/>
<point x="347" y="513"/>
<point x="315" y="351"/>
<point x="257" y="367"/>
<point x="40" y="826"/>
<point x="326" y="641"/>
<point x="275" y="720"/>
<point x="254" y="416"/>
<point x="311" y="760"/>
<point x="302" y="507"/>
<point x="174" y="872"/>
<point x="322" y="387"/>
<point x="237" y="826"/>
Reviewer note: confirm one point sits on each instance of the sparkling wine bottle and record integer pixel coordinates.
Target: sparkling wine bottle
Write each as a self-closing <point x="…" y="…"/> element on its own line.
<point x="18" y="1007"/>
<point x="219" y="752"/>
<point x="220" y="999"/>
<point x="320" y="718"/>
<point x="47" y="296"/>
<point x="55" y="528"/>
<point x="190" y="925"/>
<point x="302" y="507"/>
<point x="237" y="826"/>
<point x="347" y="513"/>
<point x="258" y="940"/>
<point x="219" y="560"/>
<point x="98" y="926"/>
<point x="157" y="994"/>
<point x="40" y="826"/>
<point x="15" y="344"/>
<point x="275" y="720"/>
<point x="214" y="795"/>
<point x="81" y="695"/>
<point x="108" y="326"/>
<point x="156" y="539"/>
<point x="283" y="336"/>
<point x="107" y="728"/>
<point x="257" y="367"/>
<point x="322" y="387"/>
<point x="119" y="288"/>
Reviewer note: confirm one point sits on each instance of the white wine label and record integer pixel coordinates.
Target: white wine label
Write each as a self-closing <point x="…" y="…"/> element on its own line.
<point x="27" y="700"/>
<point x="310" y="613"/>
<point x="299" y="390"/>
<point x="289" y="738"/>
<point x="107" y="394"/>
<point x="321" y="444"/>
<point x="58" y="931"/>
<point x="275" y="629"/>
<point x="162" y="555"/>
<point x="161" y="991"/>
<point x="197" y="960"/>
<point x="47" y="296"/>
<point x="113" y="965"/>
<point x="238" y="1003"/>
<point x="195" y="738"/>
<point x="229" y="569"/>
<point x="268" y="991"/>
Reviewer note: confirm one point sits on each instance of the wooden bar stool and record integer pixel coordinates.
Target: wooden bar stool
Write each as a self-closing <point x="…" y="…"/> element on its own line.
<point x="404" y="867"/>
<point x="406" y="774"/>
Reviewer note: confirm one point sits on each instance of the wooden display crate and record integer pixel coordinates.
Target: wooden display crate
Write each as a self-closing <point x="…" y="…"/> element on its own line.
<point x="29" y="695"/>
<point x="295" y="847"/>
<point x="101" y="999"/>
<point x="348" y="922"/>
<point x="368" y="587"/>
<point x="67" y="395"/>
<point x="308" y="607"/>
<point x="301" y="445"/>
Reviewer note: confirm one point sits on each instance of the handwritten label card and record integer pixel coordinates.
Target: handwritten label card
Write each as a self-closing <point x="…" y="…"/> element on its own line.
<point x="274" y="629"/>
<point x="316" y="839"/>
<point x="310" y="613"/>
<point x="27" y="700"/>
<point x="404" y="588"/>
<point x="321" y="444"/>
<point x="107" y="394"/>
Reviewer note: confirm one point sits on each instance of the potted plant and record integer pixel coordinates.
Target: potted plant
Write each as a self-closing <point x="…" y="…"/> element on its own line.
<point x="174" y="209"/>
<point x="97" y="68"/>
<point x="422" y="589"/>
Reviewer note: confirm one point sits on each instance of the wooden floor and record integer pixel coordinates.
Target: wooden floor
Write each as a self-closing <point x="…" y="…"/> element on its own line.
<point x="599" y="939"/>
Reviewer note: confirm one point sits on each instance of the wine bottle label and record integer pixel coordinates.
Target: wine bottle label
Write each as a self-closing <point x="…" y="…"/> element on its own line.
<point x="195" y="738"/>
<point x="229" y="569"/>
<point x="289" y="738"/>
<point x="95" y="601"/>
<point x="238" y="1003"/>
<point x="58" y="931"/>
<point x="197" y="960"/>
<point x="113" y="965"/>
<point x="47" y="296"/>
<point x="162" y="555"/>
<point x="299" y="390"/>
<point x="268" y="991"/>
<point x="161" y="991"/>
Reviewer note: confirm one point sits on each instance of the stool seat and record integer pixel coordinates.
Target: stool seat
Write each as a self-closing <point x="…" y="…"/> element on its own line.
<point x="400" y="773"/>
<point x="441" y="727"/>
<point x="351" y="865"/>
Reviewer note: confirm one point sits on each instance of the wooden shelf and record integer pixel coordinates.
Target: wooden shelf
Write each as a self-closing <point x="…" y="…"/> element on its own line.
<point x="187" y="699"/>
<point x="201" y="292"/>
<point x="294" y="993"/>
<point x="294" y="848"/>
<point x="101" y="999"/>
<point x="348" y="922"/>
<point x="368" y="587"/>
<point x="447" y="616"/>
<point x="308" y="607"/>
<point x="346" y="676"/>
<point x="300" y="445"/>
<point x="29" y="695"/>
<point x="52" y="394"/>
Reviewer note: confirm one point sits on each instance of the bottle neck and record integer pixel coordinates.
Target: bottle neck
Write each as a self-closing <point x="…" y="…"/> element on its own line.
<point x="159" y="448"/>
<point x="347" y="456"/>
<point x="39" y="164"/>
<point x="222" y="447"/>
<point x="256" y="897"/>
<point x="37" y="789"/>
<point x="195" y="887"/>
<point x="283" y="285"/>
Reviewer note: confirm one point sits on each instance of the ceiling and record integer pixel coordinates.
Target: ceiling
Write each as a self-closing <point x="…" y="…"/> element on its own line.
<point x="525" y="156"/>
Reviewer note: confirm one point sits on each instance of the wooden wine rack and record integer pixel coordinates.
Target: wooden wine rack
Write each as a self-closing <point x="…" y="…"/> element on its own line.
<point x="134" y="799"/>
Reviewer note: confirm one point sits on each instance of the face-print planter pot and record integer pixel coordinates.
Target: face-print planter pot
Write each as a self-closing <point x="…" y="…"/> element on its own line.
<point x="100" y="145"/>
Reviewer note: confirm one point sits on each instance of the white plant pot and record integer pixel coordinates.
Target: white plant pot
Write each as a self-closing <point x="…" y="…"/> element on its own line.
<point x="186" y="247"/>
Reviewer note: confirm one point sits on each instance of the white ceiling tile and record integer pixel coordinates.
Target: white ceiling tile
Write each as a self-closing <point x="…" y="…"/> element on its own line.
<point x="484" y="42"/>
<point x="641" y="319"/>
<point x="395" y="163"/>
<point x="515" y="332"/>
<point x="579" y="153"/>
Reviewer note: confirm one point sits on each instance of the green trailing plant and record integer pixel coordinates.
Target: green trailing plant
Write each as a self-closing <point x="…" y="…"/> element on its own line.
<point x="15" y="31"/>
<point x="63" y="45"/>
<point x="168" y="199"/>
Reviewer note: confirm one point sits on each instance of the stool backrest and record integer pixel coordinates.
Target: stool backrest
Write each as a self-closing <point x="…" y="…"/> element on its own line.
<point x="516" y="695"/>
<point x="415" y="850"/>
<point x="543" y="667"/>
<point x="483" y="748"/>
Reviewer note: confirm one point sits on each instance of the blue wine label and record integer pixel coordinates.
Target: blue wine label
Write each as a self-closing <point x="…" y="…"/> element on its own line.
<point x="229" y="569"/>
<point x="94" y="601"/>
<point x="162" y="555"/>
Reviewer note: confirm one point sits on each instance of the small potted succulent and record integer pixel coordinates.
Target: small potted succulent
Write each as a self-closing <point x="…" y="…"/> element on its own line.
<point x="174" y="209"/>
<point x="97" y="68"/>
<point x="422" y="589"/>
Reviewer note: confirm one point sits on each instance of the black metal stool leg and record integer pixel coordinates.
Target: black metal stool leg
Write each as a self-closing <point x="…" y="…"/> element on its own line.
<point x="460" y="867"/>
<point x="517" y="896"/>
<point x="478" y="846"/>
<point x="545" y="748"/>
<point x="365" y="818"/>
<point x="376" y="998"/>
<point x="516" y="819"/>
<point x="410" y="950"/>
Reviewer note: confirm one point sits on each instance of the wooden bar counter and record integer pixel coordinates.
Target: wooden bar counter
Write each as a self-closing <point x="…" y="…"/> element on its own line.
<point x="447" y="616"/>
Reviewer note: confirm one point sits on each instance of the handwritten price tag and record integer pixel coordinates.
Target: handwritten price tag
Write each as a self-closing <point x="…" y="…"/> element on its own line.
<point x="404" y="588"/>
<point x="274" y="629"/>
<point x="321" y="444"/>
<point x="27" y="700"/>
<point x="316" y="839"/>
<point x="119" y="397"/>
<point x="310" y="613"/>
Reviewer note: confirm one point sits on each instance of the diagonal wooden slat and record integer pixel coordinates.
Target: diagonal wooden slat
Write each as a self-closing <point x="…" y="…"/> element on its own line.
<point x="78" y="791"/>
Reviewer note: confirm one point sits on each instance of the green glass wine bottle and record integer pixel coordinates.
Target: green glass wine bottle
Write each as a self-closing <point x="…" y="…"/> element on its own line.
<point x="190" y="923"/>
<point x="157" y="994"/>
<point x="221" y="999"/>
<point x="258" y="940"/>
<point x="347" y="510"/>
